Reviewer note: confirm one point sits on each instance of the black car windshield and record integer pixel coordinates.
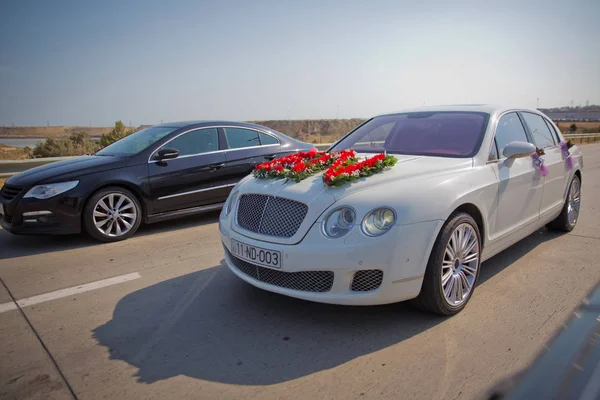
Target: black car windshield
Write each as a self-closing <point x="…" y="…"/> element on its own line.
<point x="136" y="142"/>
<point x="442" y="134"/>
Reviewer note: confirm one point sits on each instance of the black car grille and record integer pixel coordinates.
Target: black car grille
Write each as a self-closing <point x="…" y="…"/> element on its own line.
<point x="9" y="192"/>
<point x="269" y="215"/>
<point x="305" y="281"/>
<point x="7" y="218"/>
<point x="367" y="280"/>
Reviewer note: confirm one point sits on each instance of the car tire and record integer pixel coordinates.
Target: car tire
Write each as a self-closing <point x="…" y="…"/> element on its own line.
<point x="112" y="214"/>
<point x="448" y="275"/>
<point x="569" y="215"/>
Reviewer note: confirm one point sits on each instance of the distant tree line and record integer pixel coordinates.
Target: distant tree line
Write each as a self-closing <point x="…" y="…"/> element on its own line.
<point x="80" y="143"/>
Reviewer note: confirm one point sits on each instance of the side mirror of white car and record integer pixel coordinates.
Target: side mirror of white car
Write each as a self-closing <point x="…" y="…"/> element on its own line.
<point x="518" y="149"/>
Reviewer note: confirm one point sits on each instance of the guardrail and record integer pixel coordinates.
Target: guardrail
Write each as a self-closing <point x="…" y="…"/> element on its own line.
<point x="12" y="167"/>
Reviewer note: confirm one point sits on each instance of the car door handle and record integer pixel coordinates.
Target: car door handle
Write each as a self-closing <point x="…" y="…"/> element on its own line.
<point x="271" y="157"/>
<point x="213" y="167"/>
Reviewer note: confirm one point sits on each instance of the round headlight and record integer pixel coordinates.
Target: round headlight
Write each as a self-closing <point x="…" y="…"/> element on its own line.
<point x="230" y="203"/>
<point x="339" y="222"/>
<point x="379" y="221"/>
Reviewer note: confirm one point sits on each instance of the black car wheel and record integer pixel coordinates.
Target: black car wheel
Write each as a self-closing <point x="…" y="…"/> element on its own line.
<point x="112" y="214"/>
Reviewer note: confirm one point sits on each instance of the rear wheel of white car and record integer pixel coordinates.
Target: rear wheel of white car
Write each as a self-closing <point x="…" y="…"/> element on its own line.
<point x="569" y="215"/>
<point x="112" y="214"/>
<point x="453" y="267"/>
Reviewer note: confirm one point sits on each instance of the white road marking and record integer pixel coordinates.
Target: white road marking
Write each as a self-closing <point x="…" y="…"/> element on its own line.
<point x="29" y="301"/>
<point x="7" y="307"/>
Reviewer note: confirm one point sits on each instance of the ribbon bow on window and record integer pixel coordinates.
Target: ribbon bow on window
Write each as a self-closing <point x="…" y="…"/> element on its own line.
<point x="564" y="148"/>
<point x="538" y="161"/>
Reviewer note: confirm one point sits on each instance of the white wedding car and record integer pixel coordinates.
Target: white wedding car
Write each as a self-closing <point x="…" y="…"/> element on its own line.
<point x="466" y="186"/>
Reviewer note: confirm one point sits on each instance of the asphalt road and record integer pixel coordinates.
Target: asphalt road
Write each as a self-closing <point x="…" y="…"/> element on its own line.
<point x="175" y="323"/>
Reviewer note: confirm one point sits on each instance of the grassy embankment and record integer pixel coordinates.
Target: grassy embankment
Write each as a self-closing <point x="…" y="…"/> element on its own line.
<point x="582" y="127"/>
<point x="23" y="132"/>
<point x="13" y="153"/>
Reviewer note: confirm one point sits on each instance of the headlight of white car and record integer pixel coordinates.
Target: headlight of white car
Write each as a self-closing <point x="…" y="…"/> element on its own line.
<point x="230" y="203"/>
<point x="378" y="221"/>
<point x="50" y="190"/>
<point x="339" y="222"/>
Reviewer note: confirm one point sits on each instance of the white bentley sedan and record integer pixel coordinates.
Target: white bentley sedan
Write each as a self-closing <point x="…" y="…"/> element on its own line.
<point x="469" y="181"/>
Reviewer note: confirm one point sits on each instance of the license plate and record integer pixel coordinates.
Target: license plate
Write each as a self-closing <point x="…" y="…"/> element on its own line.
<point x="256" y="255"/>
<point x="1" y="209"/>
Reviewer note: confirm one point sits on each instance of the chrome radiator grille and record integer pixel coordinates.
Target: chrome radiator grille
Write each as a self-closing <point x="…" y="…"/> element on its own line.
<point x="269" y="215"/>
<point x="305" y="281"/>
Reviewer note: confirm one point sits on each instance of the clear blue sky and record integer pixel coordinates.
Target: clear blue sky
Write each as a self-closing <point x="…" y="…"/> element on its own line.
<point x="72" y="62"/>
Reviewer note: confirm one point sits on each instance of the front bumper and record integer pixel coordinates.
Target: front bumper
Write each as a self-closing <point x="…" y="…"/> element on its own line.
<point x="65" y="217"/>
<point x="401" y="254"/>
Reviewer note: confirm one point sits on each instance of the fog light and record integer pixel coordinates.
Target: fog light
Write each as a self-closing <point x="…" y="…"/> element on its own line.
<point x="30" y="221"/>
<point x="36" y="213"/>
<point x="45" y="220"/>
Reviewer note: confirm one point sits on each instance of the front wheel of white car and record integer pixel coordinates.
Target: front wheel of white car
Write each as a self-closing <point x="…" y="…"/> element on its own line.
<point x="453" y="267"/>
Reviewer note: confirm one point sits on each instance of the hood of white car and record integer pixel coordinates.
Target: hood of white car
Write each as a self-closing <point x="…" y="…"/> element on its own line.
<point x="318" y="197"/>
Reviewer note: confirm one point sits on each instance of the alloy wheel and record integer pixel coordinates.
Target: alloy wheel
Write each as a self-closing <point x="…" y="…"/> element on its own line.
<point x="114" y="214"/>
<point x="460" y="264"/>
<point x="574" y="201"/>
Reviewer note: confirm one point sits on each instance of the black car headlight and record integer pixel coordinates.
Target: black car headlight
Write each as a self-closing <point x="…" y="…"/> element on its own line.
<point x="50" y="190"/>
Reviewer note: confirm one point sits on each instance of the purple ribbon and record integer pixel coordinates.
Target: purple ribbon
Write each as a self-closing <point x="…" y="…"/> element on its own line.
<point x="564" y="148"/>
<point x="569" y="162"/>
<point x="539" y="163"/>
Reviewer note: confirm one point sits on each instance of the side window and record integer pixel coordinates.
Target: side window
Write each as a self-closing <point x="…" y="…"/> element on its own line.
<point x="493" y="152"/>
<point x="240" y="137"/>
<point x="196" y="142"/>
<point x="509" y="129"/>
<point x="542" y="137"/>
<point x="554" y="133"/>
<point x="267" y="139"/>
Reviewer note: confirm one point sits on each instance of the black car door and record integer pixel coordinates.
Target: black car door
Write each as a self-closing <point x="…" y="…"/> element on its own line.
<point x="198" y="176"/>
<point x="246" y="148"/>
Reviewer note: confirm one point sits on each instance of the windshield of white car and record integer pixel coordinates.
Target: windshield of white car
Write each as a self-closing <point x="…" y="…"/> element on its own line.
<point x="136" y="142"/>
<point x="440" y="134"/>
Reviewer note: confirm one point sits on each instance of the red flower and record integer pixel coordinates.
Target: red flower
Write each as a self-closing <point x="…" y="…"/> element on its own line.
<point x="300" y="167"/>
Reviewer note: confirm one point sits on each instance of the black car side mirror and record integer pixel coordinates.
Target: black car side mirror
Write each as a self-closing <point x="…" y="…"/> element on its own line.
<point x="167" y="154"/>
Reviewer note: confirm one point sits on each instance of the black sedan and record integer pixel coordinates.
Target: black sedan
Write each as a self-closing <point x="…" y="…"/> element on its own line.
<point x="162" y="172"/>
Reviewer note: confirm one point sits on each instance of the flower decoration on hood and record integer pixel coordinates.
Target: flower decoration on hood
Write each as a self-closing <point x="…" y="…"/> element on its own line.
<point x="342" y="167"/>
<point x="346" y="170"/>
<point x="296" y="167"/>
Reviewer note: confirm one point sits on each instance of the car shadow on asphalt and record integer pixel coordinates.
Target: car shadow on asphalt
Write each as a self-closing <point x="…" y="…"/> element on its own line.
<point x="13" y="246"/>
<point x="212" y="326"/>
<point x="507" y="257"/>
